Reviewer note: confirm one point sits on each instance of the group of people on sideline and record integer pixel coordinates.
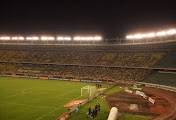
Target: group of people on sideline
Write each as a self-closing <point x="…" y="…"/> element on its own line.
<point x="98" y="85"/>
<point x="92" y="113"/>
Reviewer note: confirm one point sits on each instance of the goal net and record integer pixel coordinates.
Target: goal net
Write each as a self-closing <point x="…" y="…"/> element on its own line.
<point x="90" y="90"/>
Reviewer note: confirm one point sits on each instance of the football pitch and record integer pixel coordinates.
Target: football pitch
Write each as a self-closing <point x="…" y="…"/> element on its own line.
<point x="34" y="99"/>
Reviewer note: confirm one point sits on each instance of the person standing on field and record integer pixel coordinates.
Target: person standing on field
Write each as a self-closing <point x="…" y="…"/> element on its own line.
<point x="76" y="110"/>
<point x="98" y="106"/>
<point x="89" y="112"/>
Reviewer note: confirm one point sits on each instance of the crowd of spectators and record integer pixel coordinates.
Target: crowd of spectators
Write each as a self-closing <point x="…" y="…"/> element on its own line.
<point x="76" y="57"/>
<point x="78" y="72"/>
<point x="90" y="64"/>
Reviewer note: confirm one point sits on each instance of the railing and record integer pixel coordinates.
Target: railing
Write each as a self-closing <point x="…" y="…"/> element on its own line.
<point x="158" y="86"/>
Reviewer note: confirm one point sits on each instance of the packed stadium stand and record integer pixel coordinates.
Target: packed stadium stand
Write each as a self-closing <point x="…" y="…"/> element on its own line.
<point x="141" y="62"/>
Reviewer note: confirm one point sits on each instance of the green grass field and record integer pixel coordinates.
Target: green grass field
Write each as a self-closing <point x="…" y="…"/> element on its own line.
<point x="33" y="99"/>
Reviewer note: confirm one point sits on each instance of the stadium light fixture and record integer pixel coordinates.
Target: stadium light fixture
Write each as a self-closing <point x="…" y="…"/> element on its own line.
<point x="29" y="38"/>
<point x="77" y="38"/>
<point x="44" y="38"/>
<point x="32" y="38"/>
<point x="151" y="35"/>
<point x="35" y="38"/>
<point x="97" y="38"/>
<point x="87" y="38"/>
<point x="171" y="32"/>
<point x="51" y="38"/>
<point x="130" y="37"/>
<point x="64" y="38"/>
<point x="60" y="38"/>
<point x="5" y="38"/>
<point x="138" y="36"/>
<point x="17" y="38"/>
<point x="14" y="38"/>
<point x="20" y="38"/>
<point x="162" y="33"/>
<point x="67" y="38"/>
<point x="143" y="35"/>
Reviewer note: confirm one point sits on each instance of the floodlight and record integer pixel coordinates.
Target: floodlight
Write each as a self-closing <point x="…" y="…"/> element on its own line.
<point x="151" y="35"/>
<point x="60" y="38"/>
<point x="87" y="38"/>
<point x="32" y="38"/>
<point x="44" y="38"/>
<point x="5" y="38"/>
<point x="17" y="38"/>
<point x="77" y="38"/>
<point x="28" y="38"/>
<point x="129" y="36"/>
<point x="171" y="32"/>
<point x="67" y="38"/>
<point x="50" y="38"/>
<point x="64" y="38"/>
<point x="97" y="38"/>
<point x="162" y="33"/>
<point x="138" y="36"/>
<point x="47" y="38"/>
<point x="35" y="38"/>
<point x="14" y="38"/>
<point x="143" y="35"/>
<point x="21" y="38"/>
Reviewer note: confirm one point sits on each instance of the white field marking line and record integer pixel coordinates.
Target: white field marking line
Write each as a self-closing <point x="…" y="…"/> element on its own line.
<point x="53" y="110"/>
<point x="66" y="93"/>
<point x="25" y="90"/>
<point x="22" y="93"/>
<point x="27" y="105"/>
<point x="10" y="96"/>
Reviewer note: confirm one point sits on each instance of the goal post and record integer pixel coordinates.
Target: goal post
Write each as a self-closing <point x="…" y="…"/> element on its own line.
<point x="88" y="90"/>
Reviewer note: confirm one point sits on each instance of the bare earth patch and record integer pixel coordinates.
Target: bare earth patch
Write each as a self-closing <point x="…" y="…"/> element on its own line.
<point x="100" y="89"/>
<point x="135" y="104"/>
<point x="74" y="102"/>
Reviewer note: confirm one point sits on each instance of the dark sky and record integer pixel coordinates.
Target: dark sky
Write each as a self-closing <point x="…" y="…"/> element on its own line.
<point x="109" y="18"/>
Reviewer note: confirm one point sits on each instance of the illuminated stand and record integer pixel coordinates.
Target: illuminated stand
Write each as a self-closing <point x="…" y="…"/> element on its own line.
<point x="150" y="35"/>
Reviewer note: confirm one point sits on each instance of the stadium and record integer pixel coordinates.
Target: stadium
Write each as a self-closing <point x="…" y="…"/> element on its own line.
<point x="48" y="77"/>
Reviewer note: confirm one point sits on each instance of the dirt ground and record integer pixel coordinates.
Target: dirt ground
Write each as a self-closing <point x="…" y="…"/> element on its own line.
<point x="164" y="107"/>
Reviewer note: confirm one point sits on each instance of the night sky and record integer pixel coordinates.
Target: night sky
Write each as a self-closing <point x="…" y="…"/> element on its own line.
<point x="70" y="17"/>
